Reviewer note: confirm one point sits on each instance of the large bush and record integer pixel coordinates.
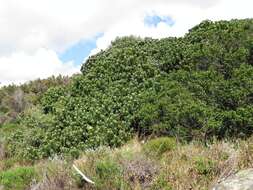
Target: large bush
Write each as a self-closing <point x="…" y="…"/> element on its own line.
<point x="194" y="87"/>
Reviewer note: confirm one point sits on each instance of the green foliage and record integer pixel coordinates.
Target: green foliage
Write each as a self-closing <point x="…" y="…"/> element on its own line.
<point x="33" y="129"/>
<point x="18" y="178"/>
<point x="223" y="45"/>
<point x="159" y="146"/>
<point x="31" y="148"/>
<point x="34" y="118"/>
<point x="106" y="169"/>
<point x="7" y="129"/>
<point x="195" y="87"/>
<point x="174" y="111"/>
<point x="50" y="99"/>
<point x="109" y="175"/>
<point x="16" y="99"/>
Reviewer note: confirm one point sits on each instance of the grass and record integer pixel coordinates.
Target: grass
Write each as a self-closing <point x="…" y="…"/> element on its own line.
<point x="156" y="147"/>
<point x="136" y="166"/>
<point x="17" y="178"/>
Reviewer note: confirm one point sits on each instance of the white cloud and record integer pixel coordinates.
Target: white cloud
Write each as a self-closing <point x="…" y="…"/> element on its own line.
<point x="185" y="14"/>
<point x="21" y="67"/>
<point x="34" y="32"/>
<point x="57" y="24"/>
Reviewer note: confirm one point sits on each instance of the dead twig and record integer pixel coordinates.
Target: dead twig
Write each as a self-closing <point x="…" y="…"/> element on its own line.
<point x="83" y="176"/>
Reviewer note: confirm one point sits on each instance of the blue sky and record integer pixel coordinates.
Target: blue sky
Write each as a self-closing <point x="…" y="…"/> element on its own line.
<point x="154" y="20"/>
<point x="81" y="50"/>
<point x="78" y="52"/>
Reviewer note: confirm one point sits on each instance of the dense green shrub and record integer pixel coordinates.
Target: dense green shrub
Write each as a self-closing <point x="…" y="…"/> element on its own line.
<point x="28" y="138"/>
<point x="222" y="45"/>
<point x="174" y="111"/>
<point x="195" y="87"/>
<point x="51" y="97"/>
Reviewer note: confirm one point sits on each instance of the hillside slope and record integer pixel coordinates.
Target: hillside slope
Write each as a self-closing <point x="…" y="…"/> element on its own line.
<point x="174" y="113"/>
<point x="196" y="87"/>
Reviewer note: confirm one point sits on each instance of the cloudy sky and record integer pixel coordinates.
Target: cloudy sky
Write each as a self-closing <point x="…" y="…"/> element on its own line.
<point x="40" y="38"/>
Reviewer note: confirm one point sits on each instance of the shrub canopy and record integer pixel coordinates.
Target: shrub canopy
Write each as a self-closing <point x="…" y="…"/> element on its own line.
<point x="195" y="87"/>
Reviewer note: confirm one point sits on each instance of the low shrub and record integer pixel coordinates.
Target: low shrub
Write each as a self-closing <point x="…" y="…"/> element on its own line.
<point x="18" y="178"/>
<point x="105" y="167"/>
<point x="109" y="175"/>
<point x="158" y="146"/>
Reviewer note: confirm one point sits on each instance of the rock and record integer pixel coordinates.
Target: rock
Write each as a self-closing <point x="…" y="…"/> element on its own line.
<point x="242" y="180"/>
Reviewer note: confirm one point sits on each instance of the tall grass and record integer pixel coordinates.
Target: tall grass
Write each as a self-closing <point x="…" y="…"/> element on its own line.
<point x="137" y="166"/>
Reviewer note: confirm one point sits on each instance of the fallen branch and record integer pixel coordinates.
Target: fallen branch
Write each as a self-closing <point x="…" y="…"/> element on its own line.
<point x="84" y="177"/>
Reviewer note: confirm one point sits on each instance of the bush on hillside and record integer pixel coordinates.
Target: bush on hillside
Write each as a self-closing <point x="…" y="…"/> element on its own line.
<point x="196" y="87"/>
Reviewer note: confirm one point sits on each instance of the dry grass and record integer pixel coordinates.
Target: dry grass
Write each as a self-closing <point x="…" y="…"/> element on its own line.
<point x="140" y="171"/>
<point x="195" y="166"/>
<point x="2" y="151"/>
<point x="192" y="166"/>
<point x="55" y="175"/>
<point x="246" y="154"/>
